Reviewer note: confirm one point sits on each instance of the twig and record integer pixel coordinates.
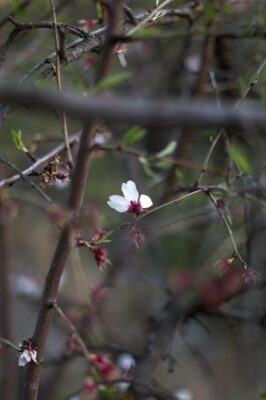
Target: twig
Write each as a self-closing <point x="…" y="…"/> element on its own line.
<point x="152" y="158"/>
<point x="8" y="343"/>
<point x="59" y="83"/>
<point x="238" y="255"/>
<point x="72" y="330"/>
<point x="40" y="162"/>
<point x="23" y="26"/>
<point x="26" y="179"/>
<point x="253" y="81"/>
<point x="23" y="5"/>
<point x="167" y="204"/>
<point x="149" y="17"/>
<point x="208" y="156"/>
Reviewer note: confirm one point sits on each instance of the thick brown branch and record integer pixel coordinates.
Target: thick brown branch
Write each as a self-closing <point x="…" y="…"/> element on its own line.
<point x="64" y="245"/>
<point x="8" y="378"/>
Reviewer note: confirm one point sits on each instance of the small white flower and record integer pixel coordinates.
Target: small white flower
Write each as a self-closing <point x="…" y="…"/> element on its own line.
<point x="125" y="362"/>
<point x="131" y="202"/>
<point x="27" y="353"/>
<point x="27" y="356"/>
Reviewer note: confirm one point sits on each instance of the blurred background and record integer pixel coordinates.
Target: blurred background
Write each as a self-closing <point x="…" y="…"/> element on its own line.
<point x="192" y="50"/>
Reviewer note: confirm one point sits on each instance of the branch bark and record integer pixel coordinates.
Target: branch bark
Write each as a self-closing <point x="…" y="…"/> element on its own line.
<point x="8" y="379"/>
<point x="64" y="245"/>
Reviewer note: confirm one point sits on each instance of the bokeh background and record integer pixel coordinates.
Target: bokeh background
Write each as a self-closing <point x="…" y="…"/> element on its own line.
<point x="211" y="358"/>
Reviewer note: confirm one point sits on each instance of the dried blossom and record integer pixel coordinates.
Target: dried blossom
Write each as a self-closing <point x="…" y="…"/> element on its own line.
<point x="81" y="242"/>
<point x="55" y="170"/>
<point x="250" y="275"/>
<point x="136" y="237"/>
<point x="98" y="235"/>
<point x="72" y="344"/>
<point x="100" y="253"/>
<point x="101" y="256"/>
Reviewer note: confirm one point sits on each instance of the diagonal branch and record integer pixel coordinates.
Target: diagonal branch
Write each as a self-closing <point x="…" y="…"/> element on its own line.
<point x="40" y="162"/>
<point x="26" y="179"/>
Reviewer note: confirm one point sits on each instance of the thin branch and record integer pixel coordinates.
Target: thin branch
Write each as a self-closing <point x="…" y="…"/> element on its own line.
<point x="8" y="343"/>
<point x="24" y="26"/>
<point x="167" y="204"/>
<point x="59" y="83"/>
<point x="152" y="158"/>
<point x="72" y="330"/>
<point x="22" y="6"/>
<point x="208" y="156"/>
<point x="40" y="162"/>
<point x="253" y="81"/>
<point x="149" y="17"/>
<point x="229" y="230"/>
<point x="27" y="180"/>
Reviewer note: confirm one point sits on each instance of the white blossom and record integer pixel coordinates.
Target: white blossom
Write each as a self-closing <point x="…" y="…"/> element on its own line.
<point x="27" y="356"/>
<point x="125" y="362"/>
<point x="131" y="201"/>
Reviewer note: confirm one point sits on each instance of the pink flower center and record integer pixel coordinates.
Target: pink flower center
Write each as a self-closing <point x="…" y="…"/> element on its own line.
<point x="135" y="207"/>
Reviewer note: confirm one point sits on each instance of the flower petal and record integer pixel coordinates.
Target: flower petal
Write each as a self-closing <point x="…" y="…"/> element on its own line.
<point x="145" y="201"/>
<point x="33" y="355"/>
<point x="118" y="203"/>
<point x="22" y="360"/>
<point x="130" y="191"/>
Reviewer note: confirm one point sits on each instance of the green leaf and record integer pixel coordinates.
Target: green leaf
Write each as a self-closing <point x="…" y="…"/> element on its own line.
<point x="168" y="150"/>
<point x="146" y="167"/>
<point x="239" y="157"/>
<point x="105" y="237"/>
<point x="133" y="135"/>
<point x="99" y="11"/>
<point x="17" y="138"/>
<point x="111" y="81"/>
